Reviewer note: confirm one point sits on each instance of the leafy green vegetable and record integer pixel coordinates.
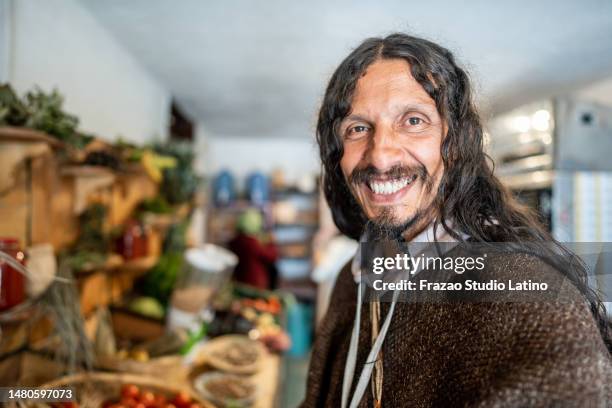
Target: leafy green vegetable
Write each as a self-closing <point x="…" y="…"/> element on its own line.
<point x="93" y="236"/>
<point x="175" y="240"/>
<point x="12" y="111"/>
<point x="157" y="205"/>
<point x="159" y="281"/>
<point x="90" y="250"/>
<point x="179" y="183"/>
<point x="84" y="260"/>
<point x="46" y="114"/>
<point x="41" y="111"/>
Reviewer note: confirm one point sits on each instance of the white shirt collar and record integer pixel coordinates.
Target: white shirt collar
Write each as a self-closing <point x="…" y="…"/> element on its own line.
<point x="426" y="237"/>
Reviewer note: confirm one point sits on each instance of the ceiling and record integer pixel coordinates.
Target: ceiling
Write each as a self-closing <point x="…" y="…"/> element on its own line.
<point x="259" y="68"/>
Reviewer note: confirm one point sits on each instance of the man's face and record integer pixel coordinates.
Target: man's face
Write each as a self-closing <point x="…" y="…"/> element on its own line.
<point x="392" y="139"/>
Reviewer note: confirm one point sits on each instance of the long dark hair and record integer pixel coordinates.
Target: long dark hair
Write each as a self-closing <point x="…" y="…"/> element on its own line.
<point x="468" y="194"/>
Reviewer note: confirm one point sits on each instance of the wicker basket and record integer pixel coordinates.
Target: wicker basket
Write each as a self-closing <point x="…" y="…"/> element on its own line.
<point x="212" y="352"/>
<point x="159" y="367"/>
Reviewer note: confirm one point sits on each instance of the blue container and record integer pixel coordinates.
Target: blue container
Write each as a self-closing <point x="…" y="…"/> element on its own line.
<point x="258" y="189"/>
<point x="299" y="327"/>
<point x="224" y="189"/>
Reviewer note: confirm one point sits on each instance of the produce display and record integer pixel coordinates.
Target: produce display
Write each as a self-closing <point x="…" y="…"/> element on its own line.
<point x="254" y="312"/>
<point x="92" y="246"/>
<point x="179" y="182"/>
<point x="134" y="397"/>
<point x="109" y="259"/>
<point x="159" y="282"/>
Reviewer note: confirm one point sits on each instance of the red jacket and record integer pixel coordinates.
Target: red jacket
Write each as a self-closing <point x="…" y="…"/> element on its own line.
<point x="254" y="259"/>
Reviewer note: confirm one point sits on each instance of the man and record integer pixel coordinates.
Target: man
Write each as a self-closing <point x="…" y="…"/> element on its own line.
<point x="402" y="149"/>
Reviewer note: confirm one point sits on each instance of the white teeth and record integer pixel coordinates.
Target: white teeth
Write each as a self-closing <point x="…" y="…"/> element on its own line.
<point x="389" y="187"/>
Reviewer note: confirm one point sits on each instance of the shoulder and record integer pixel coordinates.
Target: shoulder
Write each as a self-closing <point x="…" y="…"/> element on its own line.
<point x="345" y="288"/>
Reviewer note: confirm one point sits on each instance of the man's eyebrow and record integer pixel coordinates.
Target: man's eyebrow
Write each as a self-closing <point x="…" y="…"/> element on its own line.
<point x="413" y="106"/>
<point x="353" y="116"/>
<point x="418" y="106"/>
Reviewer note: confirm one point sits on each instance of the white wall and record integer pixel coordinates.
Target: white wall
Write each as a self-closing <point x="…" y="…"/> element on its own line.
<point x="242" y="155"/>
<point x="5" y="37"/>
<point x="58" y="43"/>
<point x="599" y="91"/>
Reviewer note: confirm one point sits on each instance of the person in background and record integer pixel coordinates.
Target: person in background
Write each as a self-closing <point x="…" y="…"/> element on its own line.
<point x="255" y="258"/>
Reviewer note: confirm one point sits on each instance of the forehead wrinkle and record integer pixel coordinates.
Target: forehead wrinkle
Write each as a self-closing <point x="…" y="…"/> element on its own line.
<point x="393" y="88"/>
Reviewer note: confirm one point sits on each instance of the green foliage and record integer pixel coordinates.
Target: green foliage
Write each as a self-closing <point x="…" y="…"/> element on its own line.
<point x="179" y="183"/>
<point x="159" y="281"/>
<point x="41" y="111"/>
<point x="12" y="111"/>
<point x="93" y="237"/>
<point x="175" y="240"/>
<point x="156" y="205"/>
<point x="84" y="260"/>
<point x="90" y="250"/>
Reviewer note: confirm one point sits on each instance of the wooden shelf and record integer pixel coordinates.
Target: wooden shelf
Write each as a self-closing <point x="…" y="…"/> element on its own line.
<point x="87" y="179"/>
<point x="105" y="287"/>
<point x="139" y="266"/>
<point x="26" y="135"/>
<point x="116" y="263"/>
<point x="87" y="171"/>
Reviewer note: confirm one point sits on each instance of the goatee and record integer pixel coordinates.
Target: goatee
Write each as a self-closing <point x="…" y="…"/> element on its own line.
<point x="386" y="228"/>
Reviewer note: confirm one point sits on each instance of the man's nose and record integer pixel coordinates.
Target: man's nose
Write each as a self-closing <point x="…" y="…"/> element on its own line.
<point x="384" y="150"/>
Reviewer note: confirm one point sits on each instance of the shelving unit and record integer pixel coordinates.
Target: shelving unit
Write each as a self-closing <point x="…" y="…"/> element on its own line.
<point x="25" y="135"/>
<point x="25" y="156"/>
<point x="221" y="225"/>
<point x="295" y="221"/>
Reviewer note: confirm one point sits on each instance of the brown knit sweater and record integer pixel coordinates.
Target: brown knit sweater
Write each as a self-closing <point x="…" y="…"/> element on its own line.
<point x="538" y="354"/>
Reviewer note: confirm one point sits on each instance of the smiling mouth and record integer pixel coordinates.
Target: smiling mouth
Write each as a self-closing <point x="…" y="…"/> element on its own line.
<point x="390" y="186"/>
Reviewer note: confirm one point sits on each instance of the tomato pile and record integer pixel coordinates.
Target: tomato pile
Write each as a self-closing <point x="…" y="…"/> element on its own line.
<point x="133" y="397"/>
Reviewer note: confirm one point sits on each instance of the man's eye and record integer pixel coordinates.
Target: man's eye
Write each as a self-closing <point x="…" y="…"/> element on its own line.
<point x="416" y="124"/>
<point x="415" y="121"/>
<point x="356" y="131"/>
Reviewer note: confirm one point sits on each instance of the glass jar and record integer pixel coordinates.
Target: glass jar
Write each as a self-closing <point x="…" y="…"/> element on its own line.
<point x="12" y="282"/>
<point x="133" y="243"/>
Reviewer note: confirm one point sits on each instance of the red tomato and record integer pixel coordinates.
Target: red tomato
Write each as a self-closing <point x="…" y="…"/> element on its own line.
<point x="130" y="391"/>
<point x="147" y="398"/>
<point x="160" y="401"/>
<point x="170" y="406"/>
<point x="195" y="405"/>
<point x="129" y="402"/>
<point x="182" y="400"/>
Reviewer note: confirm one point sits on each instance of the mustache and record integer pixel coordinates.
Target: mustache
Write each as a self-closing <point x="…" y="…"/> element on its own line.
<point x="364" y="174"/>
